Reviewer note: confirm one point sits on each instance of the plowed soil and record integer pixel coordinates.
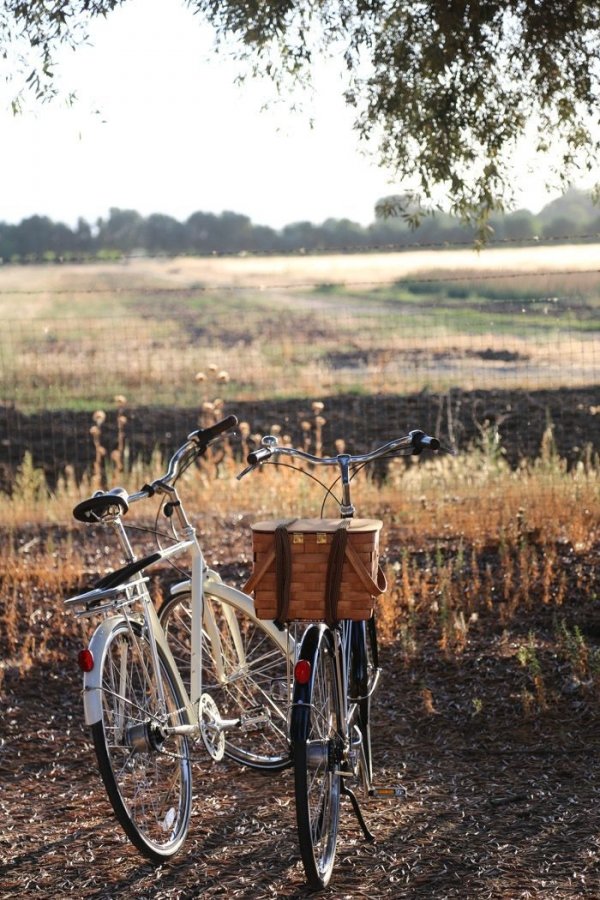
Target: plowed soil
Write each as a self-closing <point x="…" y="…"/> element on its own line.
<point x="60" y="439"/>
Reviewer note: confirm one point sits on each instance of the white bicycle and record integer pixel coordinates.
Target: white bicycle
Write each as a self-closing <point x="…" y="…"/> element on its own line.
<point x="204" y="670"/>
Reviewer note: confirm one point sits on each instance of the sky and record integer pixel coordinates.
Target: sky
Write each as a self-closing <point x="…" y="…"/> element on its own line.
<point x="160" y="126"/>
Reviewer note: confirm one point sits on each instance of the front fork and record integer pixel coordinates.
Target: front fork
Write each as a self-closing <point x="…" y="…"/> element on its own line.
<point x="355" y="756"/>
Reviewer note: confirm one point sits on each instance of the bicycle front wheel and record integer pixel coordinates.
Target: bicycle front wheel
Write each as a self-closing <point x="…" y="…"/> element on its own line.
<point x="145" y="768"/>
<point x="245" y="672"/>
<point x="317" y="750"/>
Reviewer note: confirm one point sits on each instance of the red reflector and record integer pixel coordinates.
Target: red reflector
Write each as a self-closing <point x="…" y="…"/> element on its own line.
<point x="85" y="660"/>
<point x="302" y="671"/>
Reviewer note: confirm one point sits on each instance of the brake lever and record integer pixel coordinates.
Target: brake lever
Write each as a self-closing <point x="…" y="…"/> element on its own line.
<point x="245" y="472"/>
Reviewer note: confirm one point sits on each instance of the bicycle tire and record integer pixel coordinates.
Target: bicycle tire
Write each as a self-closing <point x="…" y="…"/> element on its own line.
<point x="146" y="773"/>
<point x="257" y="686"/>
<point x="317" y="756"/>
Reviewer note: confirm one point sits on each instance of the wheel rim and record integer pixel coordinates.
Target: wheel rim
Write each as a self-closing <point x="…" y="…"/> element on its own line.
<point x="150" y="768"/>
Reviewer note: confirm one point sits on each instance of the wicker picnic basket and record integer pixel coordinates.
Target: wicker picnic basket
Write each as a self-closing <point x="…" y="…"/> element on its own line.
<point x="316" y="569"/>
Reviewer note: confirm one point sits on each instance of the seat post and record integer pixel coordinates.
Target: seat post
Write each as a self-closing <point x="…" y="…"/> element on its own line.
<point x="117" y="525"/>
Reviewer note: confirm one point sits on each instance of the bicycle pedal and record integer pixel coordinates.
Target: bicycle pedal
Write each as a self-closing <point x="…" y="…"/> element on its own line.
<point x="255" y="719"/>
<point x="381" y="792"/>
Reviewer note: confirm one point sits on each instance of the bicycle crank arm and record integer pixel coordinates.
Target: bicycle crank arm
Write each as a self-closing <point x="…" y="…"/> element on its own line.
<point x="186" y="730"/>
<point x="218" y="725"/>
<point x="215" y="725"/>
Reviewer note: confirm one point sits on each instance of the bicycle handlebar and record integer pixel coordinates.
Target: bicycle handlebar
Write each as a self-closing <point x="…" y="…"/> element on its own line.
<point x="258" y="456"/>
<point x="415" y="442"/>
<point x="203" y="436"/>
<point x="104" y="504"/>
<point x="197" y="442"/>
<point x="421" y="441"/>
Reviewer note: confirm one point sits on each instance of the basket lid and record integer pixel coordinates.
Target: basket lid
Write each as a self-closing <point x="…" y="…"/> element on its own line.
<point x="320" y="525"/>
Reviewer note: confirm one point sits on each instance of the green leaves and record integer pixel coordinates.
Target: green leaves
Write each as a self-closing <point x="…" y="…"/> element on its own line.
<point x="443" y="89"/>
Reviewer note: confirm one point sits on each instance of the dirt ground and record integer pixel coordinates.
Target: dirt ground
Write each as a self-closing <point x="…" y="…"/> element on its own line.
<point x="503" y="797"/>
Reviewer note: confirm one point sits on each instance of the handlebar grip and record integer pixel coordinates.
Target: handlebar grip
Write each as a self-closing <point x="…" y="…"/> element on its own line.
<point x="205" y="435"/>
<point x="258" y="456"/>
<point x="420" y="441"/>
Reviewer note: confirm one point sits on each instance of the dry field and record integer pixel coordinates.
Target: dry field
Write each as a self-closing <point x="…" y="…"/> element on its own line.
<point x="488" y="712"/>
<point x="273" y="271"/>
<point x="297" y="327"/>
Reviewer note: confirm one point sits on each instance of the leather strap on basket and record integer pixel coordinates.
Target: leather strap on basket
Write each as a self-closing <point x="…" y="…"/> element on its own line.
<point x="266" y="564"/>
<point x="283" y="573"/>
<point x="335" y="570"/>
<point x="341" y="548"/>
<point x="375" y="588"/>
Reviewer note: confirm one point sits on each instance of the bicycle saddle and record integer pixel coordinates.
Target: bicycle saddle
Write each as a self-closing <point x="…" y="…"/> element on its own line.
<point x="103" y="505"/>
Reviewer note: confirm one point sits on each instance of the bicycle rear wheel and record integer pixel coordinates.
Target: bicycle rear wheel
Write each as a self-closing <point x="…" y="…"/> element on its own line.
<point x="317" y="750"/>
<point x="245" y="672"/>
<point x="146" y="771"/>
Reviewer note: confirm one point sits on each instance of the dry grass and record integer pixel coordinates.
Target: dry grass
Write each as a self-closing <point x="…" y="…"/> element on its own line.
<point x="464" y="537"/>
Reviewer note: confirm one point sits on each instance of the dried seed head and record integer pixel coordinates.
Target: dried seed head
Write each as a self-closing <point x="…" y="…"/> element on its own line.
<point x="207" y="406"/>
<point x="200" y="376"/>
<point x="99" y="417"/>
<point x="213" y="367"/>
<point x="121" y="420"/>
<point x="275" y="429"/>
<point x="319" y="420"/>
<point x="305" y="426"/>
<point x="340" y="445"/>
<point x="95" y="431"/>
<point x="223" y="376"/>
<point x="244" y="429"/>
<point x="120" y="400"/>
<point x="318" y="406"/>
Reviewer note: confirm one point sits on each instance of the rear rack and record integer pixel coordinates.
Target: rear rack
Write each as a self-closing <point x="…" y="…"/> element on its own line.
<point x="115" y="590"/>
<point x="102" y="600"/>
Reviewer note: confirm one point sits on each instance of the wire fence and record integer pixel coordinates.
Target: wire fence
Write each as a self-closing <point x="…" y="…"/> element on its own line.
<point x="158" y="347"/>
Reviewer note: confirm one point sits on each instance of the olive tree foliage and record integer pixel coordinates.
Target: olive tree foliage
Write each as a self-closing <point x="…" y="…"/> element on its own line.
<point x="443" y="89"/>
<point x="30" y="34"/>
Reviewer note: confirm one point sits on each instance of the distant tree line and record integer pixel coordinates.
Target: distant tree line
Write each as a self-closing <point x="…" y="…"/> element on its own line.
<point x="125" y="232"/>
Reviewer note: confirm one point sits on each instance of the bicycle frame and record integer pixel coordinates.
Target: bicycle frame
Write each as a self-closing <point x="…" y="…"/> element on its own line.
<point x="203" y="580"/>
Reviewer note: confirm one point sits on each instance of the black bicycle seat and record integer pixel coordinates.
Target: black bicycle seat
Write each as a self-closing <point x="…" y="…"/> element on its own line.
<point x="103" y="505"/>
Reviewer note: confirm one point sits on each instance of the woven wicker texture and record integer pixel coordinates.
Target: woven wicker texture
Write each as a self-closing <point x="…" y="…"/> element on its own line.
<point x="310" y="542"/>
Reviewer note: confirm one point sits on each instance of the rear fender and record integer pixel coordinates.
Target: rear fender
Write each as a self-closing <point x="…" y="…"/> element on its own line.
<point x="92" y="681"/>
